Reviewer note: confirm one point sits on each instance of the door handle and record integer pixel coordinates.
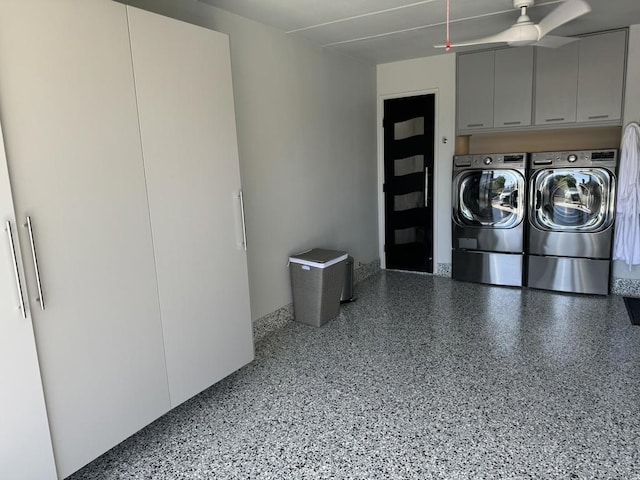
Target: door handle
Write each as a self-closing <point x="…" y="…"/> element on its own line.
<point x="538" y="199"/>
<point x="15" y="269"/>
<point x="36" y="270"/>
<point x="426" y="187"/>
<point x="244" y="225"/>
<point x="515" y="199"/>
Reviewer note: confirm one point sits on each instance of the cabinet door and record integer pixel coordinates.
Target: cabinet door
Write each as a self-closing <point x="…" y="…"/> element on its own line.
<point x="513" y="87"/>
<point x="187" y="122"/>
<point x="601" y="77"/>
<point x="475" y="91"/>
<point x="556" y="84"/>
<point x="67" y="102"/>
<point x="25" y="444"/>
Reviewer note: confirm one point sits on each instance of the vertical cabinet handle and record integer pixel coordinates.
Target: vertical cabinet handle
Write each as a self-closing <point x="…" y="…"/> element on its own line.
<point x="15" y="269"/>
<point x="244" y="225"/>
<point x="40" y="298"/>
<point x="426" y="187"/>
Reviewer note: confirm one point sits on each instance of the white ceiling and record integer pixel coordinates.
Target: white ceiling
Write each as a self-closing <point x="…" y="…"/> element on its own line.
<point x="390" y="30"/>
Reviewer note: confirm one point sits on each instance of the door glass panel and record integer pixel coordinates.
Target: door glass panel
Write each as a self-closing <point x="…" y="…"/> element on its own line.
<point x="406" y="166"/>
<point x="572" y="199"/>
<point x="490" y="198"/>
<point x="408" y="201"/>
<point x="408" y="128"/>
<point x="409" y="235"/>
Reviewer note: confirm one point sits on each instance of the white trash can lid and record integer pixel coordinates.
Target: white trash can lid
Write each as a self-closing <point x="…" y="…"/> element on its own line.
<point x="319" y="257"/>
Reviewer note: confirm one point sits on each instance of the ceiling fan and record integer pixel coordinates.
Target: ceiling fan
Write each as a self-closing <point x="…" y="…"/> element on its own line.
<point x="525" y="32"/>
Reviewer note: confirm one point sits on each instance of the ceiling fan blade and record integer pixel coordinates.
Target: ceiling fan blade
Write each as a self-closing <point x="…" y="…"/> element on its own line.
<point x="501" y="37"/>
<point x="567" y="11"/>
<point x="552" y="41"/>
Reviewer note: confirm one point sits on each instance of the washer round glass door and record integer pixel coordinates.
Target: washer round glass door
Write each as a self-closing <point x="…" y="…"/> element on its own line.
<point x="489" y="198"/>
<point x="572" y="199"/>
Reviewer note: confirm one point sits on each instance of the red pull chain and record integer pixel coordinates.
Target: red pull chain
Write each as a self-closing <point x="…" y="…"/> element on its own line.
<point x="448" y="43"/>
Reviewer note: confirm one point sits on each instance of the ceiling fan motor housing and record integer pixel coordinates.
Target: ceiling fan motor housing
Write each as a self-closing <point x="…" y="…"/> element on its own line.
<point x="524" y="34"/>
<point x="523" y="3"/>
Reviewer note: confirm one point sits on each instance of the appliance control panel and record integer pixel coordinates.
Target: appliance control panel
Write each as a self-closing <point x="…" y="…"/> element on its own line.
<point x="493" y="160"/>
<point x="578" y="158"/>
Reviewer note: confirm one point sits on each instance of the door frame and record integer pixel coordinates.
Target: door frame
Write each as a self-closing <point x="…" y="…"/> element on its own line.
<point x="436" y="187"/>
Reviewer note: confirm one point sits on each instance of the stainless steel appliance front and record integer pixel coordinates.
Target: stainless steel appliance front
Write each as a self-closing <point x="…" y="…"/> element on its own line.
<point x="571" y="213"/>
<point x="488" y="218"/>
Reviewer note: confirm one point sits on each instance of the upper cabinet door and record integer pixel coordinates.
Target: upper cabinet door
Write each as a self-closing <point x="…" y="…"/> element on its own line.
<point x="513" y="87"/>
<point x="556" y="86"/>
<point x="475" y="91"/>
<point x="69" y="114"/>
<point x="25" y="443"/>
<point x="187" y="123"/>
<point x="601" y="77"/>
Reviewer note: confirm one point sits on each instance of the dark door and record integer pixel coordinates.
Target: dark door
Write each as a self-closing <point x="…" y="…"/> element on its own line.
<point x="408" y="182"/>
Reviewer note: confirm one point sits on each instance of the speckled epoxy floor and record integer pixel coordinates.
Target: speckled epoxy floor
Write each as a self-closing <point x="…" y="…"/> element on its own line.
<point x="421" y="378"/>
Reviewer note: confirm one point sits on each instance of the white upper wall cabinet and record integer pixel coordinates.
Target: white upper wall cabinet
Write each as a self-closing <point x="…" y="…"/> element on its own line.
<point x="495" y="89"/>
<point x="188" y="129"/>
<point x="580" y="84"/>
<point x="556" y="84"/>
<point x="601" y="77"/>
<point x="513" y="87"/>
<point x="475" y="91"/>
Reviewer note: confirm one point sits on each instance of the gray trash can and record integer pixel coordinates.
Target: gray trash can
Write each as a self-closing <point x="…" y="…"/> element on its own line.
<point x="317" y="278"/>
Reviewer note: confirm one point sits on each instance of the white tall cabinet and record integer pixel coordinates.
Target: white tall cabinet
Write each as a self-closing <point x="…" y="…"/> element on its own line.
<point x="69" y="115"/>
<point x="25" y="442"/>
<point x="193" y="182"/>
<point x="137" y="286"/>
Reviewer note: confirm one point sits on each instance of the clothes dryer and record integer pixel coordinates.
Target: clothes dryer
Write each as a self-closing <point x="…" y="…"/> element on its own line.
<point x="571" y="214"/>
<point x="489" y="207"/>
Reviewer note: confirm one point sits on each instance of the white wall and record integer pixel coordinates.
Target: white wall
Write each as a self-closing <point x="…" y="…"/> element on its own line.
<point x="631" y="114"/>
<point x="411" y="77"/>
<point x="306" y="133"/>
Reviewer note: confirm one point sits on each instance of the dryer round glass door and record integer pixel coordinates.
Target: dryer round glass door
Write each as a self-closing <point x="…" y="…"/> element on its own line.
<point x="577" y="199"/>
<point x="489" y="198"/>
